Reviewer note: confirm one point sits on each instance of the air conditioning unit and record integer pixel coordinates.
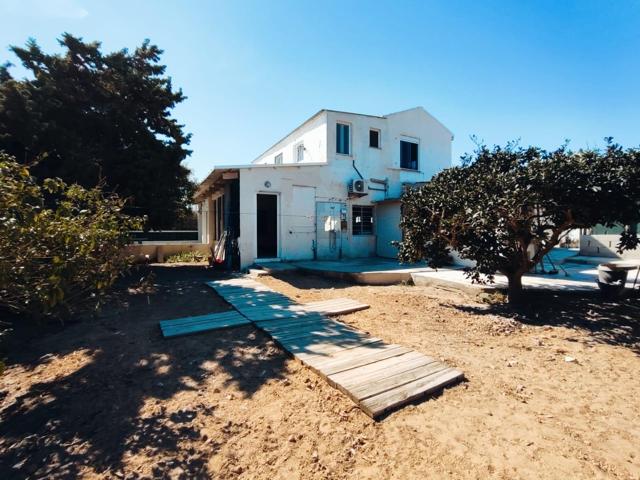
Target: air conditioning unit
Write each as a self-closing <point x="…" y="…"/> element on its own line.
<point x="358" y="187"/>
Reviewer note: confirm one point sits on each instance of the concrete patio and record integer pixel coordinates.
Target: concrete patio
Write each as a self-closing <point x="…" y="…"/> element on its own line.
<point x="580" y="275"/>
<point x="578" y="278"/>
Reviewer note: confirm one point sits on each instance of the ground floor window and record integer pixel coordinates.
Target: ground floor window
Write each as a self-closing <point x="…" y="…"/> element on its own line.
<point x="362" y="220"/>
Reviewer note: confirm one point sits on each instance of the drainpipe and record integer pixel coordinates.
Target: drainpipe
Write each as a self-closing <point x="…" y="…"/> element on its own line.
<point x="356" y="169"/>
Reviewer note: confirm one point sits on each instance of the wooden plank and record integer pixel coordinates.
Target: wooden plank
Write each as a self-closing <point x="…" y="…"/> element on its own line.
<point x="326" y="348"/>
<point x="199" y="318"/>
<point x="299" y="316"/>
<point x="310" y="324"/>
<point x="272" y="324"/>
<point x="317" y="330"/>
<point x="358" y="358"/>
<point x="201" y="327"/>
<point x="376" y="387"/>
<point x="259" y="307"/>
<point x="391" y="399"/>
<point x="256" y="296"/>
<point x="274" y="327"/>
<point x="338" y="306"/>
<point x="266" y="307"/>
<point x="312" y="358"/>
<point x="322" y="335"/>
<point x="381" y="369"/>
<point x="309" y="335"/>
<point x="257" y="316"/>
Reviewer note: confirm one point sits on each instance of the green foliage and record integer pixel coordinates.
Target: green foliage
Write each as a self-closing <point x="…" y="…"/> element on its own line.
<point x="507" y="207"/>
<point x="186" y="257"/>
<point x="60" y="245"/>
<point x="100" y="117"/>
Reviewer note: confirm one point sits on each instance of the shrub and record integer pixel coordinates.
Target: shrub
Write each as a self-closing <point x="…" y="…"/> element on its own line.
<point x="186" y="257"/>
<point x="60" y="245"/>
<point x="505" y="208"/>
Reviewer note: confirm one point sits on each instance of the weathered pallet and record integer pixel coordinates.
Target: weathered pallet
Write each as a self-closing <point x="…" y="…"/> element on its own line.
<point x="334" y="306"/>
<point x="202" y="323"/>
<point x="403" y="394"/>
<point x="377" y="376"/>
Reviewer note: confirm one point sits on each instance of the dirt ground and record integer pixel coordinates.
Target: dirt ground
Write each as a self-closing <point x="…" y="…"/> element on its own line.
<point x="551" y="392"/>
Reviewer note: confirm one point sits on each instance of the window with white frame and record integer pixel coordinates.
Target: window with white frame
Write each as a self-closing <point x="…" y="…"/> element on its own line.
<point x="299" y="152"/>
<point x="278" y="159"/>
<point x="362" y="220"/>
<point x="343" y="138"/>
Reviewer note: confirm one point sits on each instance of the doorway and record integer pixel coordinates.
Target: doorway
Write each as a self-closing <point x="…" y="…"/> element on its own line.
<point x="267" y="225"/>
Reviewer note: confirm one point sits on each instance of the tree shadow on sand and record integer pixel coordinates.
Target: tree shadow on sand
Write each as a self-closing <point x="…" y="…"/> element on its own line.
<point x="108" y="400"/>
<point x="613" y="322"/>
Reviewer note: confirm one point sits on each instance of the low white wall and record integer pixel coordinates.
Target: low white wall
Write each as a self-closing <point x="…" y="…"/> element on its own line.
<point x="604" y="246"/>
<point x="157" y="252"/>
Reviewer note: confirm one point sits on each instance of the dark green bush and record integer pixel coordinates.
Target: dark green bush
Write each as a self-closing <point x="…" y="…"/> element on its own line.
<point x="60" y="245"/>
<point x="186" y="257"/>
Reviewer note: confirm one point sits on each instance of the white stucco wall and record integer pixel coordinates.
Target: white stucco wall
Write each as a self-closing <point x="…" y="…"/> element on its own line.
<point x="605" y="246"/>
<point x="328" y="176"/>
<point x="312" y="134"/>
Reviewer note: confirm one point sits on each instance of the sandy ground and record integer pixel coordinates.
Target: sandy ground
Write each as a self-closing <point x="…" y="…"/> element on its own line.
<point x="109" y="398"/>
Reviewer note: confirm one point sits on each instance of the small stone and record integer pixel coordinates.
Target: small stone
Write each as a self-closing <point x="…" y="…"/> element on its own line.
<point x="569" y="359"/>
<point x="292" y="438"/>
<point x="237" y="470"/>
<point x="314" y="456"/>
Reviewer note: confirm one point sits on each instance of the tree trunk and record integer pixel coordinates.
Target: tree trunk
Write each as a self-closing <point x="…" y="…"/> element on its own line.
<point x="515" y="293"/>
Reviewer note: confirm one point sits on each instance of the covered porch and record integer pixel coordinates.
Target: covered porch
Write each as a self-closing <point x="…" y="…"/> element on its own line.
<point x="218" y="214"/>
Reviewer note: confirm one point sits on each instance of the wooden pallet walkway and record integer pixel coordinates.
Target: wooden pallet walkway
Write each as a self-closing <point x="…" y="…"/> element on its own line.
<point x="377" y="376"/>
<point x="254" y="306"/>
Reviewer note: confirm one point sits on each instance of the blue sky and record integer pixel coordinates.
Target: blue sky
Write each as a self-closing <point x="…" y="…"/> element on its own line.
<point x="541" y="71"/>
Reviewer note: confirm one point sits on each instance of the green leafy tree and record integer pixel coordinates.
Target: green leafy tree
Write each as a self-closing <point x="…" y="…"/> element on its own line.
<point x="506" y="208"/>
<point x="60" y="245"/>
<point x="100" y="117"/>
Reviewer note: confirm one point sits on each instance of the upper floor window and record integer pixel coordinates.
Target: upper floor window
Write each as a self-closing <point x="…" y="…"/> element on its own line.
<point x="278" y="159"/>
<point x="362" y="220"/>
<point x="300" y="152"/>
<point x="343" y="138"/>
<point x="374" y="138"/>
<point x="408" y="155"/>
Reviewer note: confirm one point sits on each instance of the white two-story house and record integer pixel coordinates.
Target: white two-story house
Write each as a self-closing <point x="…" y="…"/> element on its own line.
<point x="330" y="189"/>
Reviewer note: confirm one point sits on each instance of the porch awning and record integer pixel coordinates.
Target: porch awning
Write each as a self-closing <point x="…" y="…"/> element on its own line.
<point x="214" y="180"/>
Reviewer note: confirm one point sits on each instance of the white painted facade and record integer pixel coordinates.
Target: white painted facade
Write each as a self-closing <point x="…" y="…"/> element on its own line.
<point x="315" y="211"/>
